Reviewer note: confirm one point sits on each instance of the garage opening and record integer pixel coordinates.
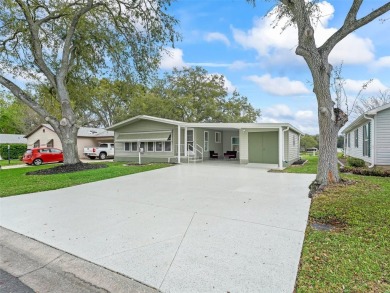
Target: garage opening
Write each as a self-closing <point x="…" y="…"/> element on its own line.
<point x="263" y="147"/>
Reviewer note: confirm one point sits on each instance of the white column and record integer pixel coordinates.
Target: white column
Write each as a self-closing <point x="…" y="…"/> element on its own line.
<point x="281" y="150"/>
<point x="178" y="143"/>
<point x="185" y="141"/>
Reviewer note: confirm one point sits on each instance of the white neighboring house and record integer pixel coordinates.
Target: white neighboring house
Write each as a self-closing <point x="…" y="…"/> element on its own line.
<point x="368" y="137"/>
<point x="12" y="138"/>
<point x="45" y="136"/>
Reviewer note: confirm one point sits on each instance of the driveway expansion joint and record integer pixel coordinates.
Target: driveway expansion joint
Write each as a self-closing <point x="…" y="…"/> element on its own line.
<point x="184" y="235"/>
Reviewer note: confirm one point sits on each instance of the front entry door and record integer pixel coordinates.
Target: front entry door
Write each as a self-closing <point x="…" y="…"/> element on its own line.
<point x="263" y="147"/>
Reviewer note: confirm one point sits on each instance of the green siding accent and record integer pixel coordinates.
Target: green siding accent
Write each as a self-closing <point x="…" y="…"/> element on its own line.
<point x="263" y="147"/>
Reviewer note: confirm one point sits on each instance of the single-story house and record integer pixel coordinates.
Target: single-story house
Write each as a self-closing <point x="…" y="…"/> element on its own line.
<point x="368" y="137"/>
<point x="12" y="139"/>
<point x="164" y="140"/>
<point x="45" y="136"/>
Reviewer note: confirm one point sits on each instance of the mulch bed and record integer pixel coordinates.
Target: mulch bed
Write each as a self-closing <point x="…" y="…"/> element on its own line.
<point x="299" y="162"/>
<point x="67" y="169"/>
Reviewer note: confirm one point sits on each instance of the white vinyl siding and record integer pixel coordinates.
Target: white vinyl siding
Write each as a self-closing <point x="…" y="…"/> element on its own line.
<point x="357" y="152"/>
<point x="293" y="146"/>
<point x="382" y="138"/>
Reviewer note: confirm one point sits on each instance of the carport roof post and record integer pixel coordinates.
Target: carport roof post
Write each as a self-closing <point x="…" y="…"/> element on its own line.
<point x="281" y="150"/>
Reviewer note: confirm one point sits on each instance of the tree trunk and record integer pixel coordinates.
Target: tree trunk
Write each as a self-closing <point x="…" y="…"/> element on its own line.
<point x="330" y="121"/>
<point x="67" y="129"/>
<point x="68" y="137"/>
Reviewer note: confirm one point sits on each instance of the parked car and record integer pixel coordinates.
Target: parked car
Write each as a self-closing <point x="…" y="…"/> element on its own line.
<point x="103" y="151"/>
<point x="38" y="156"/>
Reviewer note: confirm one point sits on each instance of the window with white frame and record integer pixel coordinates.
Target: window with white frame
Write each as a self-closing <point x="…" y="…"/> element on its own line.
<point x="167" y="146"/>
<point x="150" y="146"/>
<point x="356" y="137"/>
<point x="349" y="140"/>
<point x="206" y="141"/>
<point x="235" y="143"/>
<point x="37" y="144"/>
<point x="134" y="146"/>
<point x="190" y="139"/>
<point x="127" y="146"/>
<point x="217" y="137"/>
<point x="159" y="146"/>
<point x="367" y="140"/>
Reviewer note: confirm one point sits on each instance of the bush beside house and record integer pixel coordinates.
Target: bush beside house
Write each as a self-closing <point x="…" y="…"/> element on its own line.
<point x="16" y="151"/>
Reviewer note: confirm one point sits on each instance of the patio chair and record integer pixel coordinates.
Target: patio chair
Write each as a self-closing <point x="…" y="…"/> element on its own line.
<point x="213" y="155"/>
<point x="230" y="154"/>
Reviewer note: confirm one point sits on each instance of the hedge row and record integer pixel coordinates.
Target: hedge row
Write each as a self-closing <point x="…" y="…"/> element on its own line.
<point x="16" y="151"/>
<point x="365" y="171"/>
<point x="355" y="162"/>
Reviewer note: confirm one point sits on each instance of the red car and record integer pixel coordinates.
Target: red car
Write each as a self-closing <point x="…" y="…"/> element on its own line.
<point x="37" y="156"/>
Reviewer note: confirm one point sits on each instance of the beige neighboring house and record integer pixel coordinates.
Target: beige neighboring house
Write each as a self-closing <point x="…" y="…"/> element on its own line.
<point x="45" y="136"/>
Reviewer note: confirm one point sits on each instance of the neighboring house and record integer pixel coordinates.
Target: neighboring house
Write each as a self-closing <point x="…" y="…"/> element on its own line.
<point x="12" y="138"/>
<point x="368" y="137"/>
<point x="45" y="136"/>
<point x="164" y="140"/>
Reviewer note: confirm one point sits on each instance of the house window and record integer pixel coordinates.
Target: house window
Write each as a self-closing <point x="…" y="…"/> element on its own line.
<point x="235" y="143"/>
<point x="37" y="144"/>
<point x="190" y="140"/>
<point x="217" y="137"/>
<point x="349" y="140"/>
<point x="367" y="140"/>
<point x="142" y="146"/>
<point x="134" y="146"/>
<point x="127" y="146"/>
<point x="167" y="146"/>
<point x="150" y="146"/>
<point x="50" y="143"/>
<point x="206" y="141"/>
<point x="293" y="140"/>
<point x="356" y="137"/>
<point x="159" y="146"/>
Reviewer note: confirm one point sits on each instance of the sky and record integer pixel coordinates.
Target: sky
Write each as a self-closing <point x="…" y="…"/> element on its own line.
<point x="233" y="38"/>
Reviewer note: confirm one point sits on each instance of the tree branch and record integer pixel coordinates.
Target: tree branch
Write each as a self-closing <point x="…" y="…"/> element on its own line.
<point x="26" y="99"/>
<point x="69" y="36"/>
<point x="351" y="24"/>
<point x="36" y="43"/>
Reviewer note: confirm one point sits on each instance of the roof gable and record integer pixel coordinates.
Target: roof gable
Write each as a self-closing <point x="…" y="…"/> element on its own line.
<point x="362" y="118"/>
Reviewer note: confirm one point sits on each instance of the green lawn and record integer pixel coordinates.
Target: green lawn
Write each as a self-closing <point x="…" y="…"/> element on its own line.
<point x="15" y="181"/>
<point x="310" y="166"/>
<point x="13" y="162"/>
<point x="355" y="257"/>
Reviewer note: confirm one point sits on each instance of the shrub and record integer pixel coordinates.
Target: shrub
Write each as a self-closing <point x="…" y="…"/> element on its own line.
<point x="365" y="171"/>
<point x="16" y="150"/>
<point x="355" y="162"/>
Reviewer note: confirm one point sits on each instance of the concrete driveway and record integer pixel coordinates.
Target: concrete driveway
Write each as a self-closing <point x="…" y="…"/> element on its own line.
<point x="187" y="228"/>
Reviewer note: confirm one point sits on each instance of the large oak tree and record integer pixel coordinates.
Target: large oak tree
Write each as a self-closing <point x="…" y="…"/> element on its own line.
<point x="302" y="14"/>
<point x="54" y="41"/>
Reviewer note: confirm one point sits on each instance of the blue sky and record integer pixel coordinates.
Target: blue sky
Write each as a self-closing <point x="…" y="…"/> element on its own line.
<point x="234" y="39"/>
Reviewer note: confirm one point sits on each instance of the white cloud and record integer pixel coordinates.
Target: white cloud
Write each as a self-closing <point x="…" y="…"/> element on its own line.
<point x="229" y="85"/>
<point x="382" y="62"/>
<point x="306" y="114"/>
<point x="278" y="111"/>
<point x="238" y="65"/>
<point x="215" y="36"/>
<point x="280" y="45"/>
<point x="281" y="86"/>
<point x="304" y="120"/>
<point x="354" y="86"/>
<point x="172" y="57"/>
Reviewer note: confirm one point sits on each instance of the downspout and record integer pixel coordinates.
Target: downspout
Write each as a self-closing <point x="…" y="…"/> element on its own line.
<point x="373" y="141"/>
<point x="283" y="131"/>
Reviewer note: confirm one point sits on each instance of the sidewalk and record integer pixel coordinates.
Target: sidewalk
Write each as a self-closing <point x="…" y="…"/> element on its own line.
<point x="27" y="265"/>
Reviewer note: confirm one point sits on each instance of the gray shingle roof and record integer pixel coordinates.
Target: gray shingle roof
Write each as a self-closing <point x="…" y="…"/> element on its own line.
<point x="13" y="138"/>
<point x="89" y="131"/>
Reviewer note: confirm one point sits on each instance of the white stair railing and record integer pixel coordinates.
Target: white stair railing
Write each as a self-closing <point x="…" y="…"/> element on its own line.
<point x="195" y="153"/>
